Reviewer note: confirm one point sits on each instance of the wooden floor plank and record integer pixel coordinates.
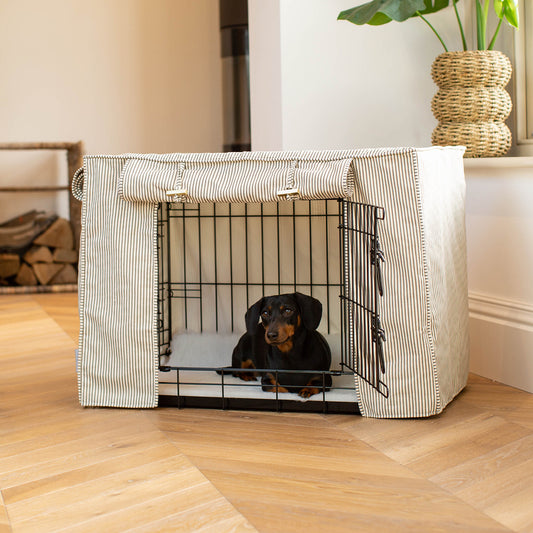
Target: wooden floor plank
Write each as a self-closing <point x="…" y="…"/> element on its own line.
<point x="5" y="526"/>
<point x="264" y="497"/>
<point x="123" y="496"/>
<point x="141" y="440"/>
<point x="482" y="458"/>
<point x="198" y="508"/>
<point x="509" y="403"/>
<point x="73" y="477"/>
<point x="488" y="466"/>
<point x="261" y="469"/>
<point x="60" y="307"/>
<point x="32" y="429"/>
<point x="159" y="462"/>
<point x="41" y="455"/>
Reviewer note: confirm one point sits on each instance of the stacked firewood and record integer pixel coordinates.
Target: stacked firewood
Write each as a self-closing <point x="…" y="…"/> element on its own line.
<point x="49" y="258"/>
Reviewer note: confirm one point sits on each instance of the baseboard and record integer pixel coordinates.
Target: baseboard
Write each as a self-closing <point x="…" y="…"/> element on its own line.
<point x="511" y="312"/>
<point x="501" y="340"/>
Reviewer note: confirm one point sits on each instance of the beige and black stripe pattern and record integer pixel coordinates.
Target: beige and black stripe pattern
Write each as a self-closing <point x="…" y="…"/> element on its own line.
<point x="390" y="181"/>
<point x="443" y="191"/>
<point x="118" y="278"/>
<point x="393" y="180"/>
<point x="118" y="270"/>
<point x="243" y="177"/>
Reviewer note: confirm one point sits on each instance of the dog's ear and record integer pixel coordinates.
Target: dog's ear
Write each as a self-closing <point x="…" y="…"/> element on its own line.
<point x="310" y="310"/>
<point x="252" y="316"/>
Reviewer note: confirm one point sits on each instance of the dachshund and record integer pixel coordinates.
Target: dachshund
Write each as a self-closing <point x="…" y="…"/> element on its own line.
<point x="281" y="335"/>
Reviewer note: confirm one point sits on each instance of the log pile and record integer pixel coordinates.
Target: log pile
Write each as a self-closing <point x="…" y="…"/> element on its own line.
<point x="46" y="258"/>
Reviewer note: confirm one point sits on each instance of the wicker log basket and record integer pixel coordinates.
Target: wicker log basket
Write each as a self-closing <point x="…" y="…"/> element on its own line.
<point x="472" y="104"/>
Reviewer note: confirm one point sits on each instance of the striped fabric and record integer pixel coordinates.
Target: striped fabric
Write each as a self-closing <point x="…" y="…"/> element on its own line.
<point x="412" y="326"/>
<point x="117" y="366"/>
<point x="423" y="310"/>
<point x="443" y="190"/>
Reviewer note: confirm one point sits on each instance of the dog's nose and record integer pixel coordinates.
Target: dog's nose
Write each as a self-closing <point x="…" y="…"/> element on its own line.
<point x="272" y="335"/>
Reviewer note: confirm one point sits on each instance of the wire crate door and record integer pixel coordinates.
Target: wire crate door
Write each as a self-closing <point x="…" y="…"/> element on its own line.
<point x="361" y="292"/>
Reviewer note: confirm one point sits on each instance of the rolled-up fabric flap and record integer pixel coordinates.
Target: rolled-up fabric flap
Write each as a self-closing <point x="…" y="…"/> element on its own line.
<point x="144" y="180"/>
<point x="250" y="177"/>
<point x="324" y="179"/>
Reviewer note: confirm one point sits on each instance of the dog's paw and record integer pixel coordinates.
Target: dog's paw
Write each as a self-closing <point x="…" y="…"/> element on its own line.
<point x="271" y="385"/>
<point x="274" y="388"/>
<point x="307" y="392"/>
<point x="246" y="376"/>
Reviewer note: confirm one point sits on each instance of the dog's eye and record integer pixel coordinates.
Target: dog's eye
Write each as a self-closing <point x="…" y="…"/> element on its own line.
<point x="287" y="311"/>
<point x="265" y="314"/>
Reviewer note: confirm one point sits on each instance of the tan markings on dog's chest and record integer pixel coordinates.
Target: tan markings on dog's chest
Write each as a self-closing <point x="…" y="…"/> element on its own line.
<point x="285" y="347"/>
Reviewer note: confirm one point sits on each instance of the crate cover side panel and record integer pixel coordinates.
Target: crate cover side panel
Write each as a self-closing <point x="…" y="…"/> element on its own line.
<point x="443" y="190"/>
<point x="388" y="179"/>
<point x="117" y="367"/>
<point x="425" y="357"/>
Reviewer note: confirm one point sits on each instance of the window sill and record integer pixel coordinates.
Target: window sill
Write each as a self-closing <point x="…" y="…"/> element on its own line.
<point x="481" y="163"/>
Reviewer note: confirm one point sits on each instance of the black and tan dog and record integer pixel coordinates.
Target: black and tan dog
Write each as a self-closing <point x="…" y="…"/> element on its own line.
<point x="281" y="335"/>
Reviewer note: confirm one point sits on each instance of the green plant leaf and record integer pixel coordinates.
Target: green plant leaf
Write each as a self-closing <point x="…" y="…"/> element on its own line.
<point x="434" y="6"/>
<point x="510" y="13"/>
<point x="380" y="12"/>
<point x="480" y="26"/>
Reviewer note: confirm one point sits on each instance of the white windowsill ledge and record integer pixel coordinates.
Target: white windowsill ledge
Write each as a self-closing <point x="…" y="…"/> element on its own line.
<point x="480" y="163"/>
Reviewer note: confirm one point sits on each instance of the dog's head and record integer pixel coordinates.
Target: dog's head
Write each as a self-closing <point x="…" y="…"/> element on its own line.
<point x="282" y="316"/>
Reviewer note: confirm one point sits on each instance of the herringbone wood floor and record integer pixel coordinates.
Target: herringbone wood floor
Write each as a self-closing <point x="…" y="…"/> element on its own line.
<point x="65" y="468"/>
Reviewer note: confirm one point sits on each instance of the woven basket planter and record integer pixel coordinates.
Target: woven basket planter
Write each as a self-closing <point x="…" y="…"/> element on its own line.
<point x="472" y="104"/>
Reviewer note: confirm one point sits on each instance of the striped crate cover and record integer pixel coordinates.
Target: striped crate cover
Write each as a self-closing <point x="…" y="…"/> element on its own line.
<point x="424" y="311"/>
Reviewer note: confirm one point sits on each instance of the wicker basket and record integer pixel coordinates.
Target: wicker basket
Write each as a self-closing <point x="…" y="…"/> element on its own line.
<point x="472" y="104"/>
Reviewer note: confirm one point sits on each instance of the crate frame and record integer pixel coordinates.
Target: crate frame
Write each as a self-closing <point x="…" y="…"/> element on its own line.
<point x="361" y="348"/>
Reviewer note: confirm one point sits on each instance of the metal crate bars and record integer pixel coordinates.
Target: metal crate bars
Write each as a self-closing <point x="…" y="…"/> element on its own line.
<point x="215" y="260"/>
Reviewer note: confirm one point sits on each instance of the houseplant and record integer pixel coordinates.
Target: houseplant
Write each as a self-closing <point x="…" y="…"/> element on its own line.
<point x="471" y="104"/>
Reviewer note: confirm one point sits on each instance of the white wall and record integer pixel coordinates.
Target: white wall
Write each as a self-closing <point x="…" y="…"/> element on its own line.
<point x="265" y="75"/>
<point x="121" y="75"/>
<point x="499" y="222"/>
<point x="342" y="86"/>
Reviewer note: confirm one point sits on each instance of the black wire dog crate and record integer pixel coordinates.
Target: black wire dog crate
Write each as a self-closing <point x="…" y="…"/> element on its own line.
<point x="216" y="260"/>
